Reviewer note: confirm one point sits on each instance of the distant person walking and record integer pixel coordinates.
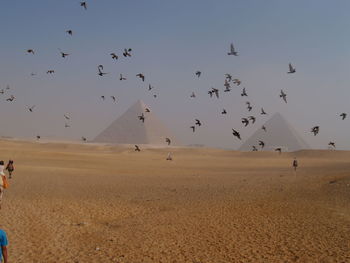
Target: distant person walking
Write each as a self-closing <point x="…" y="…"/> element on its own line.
<point x="10" y="168"/>
<point x="3" y="244"/>
<point x="1" y="180"/>
<point x="295" y="164"/>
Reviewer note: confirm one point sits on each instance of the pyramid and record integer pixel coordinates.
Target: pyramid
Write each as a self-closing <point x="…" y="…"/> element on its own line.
<point x="128" y="129"/>
<point x="279" y="133"/>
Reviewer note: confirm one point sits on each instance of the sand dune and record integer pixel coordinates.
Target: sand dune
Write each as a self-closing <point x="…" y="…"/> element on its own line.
<point x="98" y="203"/>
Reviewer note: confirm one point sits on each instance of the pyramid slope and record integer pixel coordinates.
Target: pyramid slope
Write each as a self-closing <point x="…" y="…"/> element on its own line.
<point x="279" y="133"/>
<point x="128" y="129"/>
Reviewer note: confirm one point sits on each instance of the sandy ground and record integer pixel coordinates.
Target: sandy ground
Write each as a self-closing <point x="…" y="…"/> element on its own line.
<point x="91" y="203"/>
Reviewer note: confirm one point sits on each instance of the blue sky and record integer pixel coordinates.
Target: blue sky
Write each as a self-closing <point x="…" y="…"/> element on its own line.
<point x="170" y="41"/>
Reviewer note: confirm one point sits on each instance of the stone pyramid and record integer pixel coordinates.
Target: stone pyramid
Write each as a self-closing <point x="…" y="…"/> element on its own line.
<point x="279" y="133"/>
<point x="128" y="129"/>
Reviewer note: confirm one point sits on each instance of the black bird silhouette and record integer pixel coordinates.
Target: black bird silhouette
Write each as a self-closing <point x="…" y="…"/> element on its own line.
<point x="114" y="98"/>
<point x="198" y="73"/>
<point x="114" y="56"/>
<point x="244" y="93"/>
<point x="103" y="97"/>
<point x="147" y="110"/>
<point x="137" y="148"/>
<point x="83" y="4"/>
<point x="100" y="68"/>
<point x="249" y="107"/>
<point x="227" y="84"/>
<point x="168" y="141"/>
<point x="193" y="128"/>
<point x="291" y="69"/>
<point x="121" y="77"/>
<point x="30" y="51"/>
<point x="332" y="144"/>
<point x="215" y="91"/>
<point x="232" y="51"/>
<point x="279" y="150"/>
<point x="31" y="108"/>
<point x="38" y="137"/>
<point x="245" y="121"/>
<point x="224" y="111"/>
<point x="210" y="92"/>
<point x="193" y="95"/>
<point x="315" y="130"/>
<point x="69" y="32"/>
<point x="262" y="144"/>
<point x="198" y="122"/>
<point x="141" y="76"/>
<point x="127" y="53"/>
<point x="264" y="128"/>
<point x="11" y="98"/>
<point x="263" y="112"/>
<point x="63" y="54"/>
<point x="283" y="96"/>
<point x="50" y="71"/>
<point x="142" y="117"/>
<point x="343" y="115"/>
<point x="228" y="77"/>
<point x="254" y="149"/>
<point x="150" y="87"/>
<point x="252" y="118"/>
<point x="83" y="139"/>
<point x="236" y="134"/>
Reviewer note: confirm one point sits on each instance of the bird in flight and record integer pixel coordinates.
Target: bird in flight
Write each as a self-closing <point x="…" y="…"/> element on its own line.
<point x="168" y="141"/>
<point x="63" y="54"/>
<point x="283" y="96"/>
<point x="264" y="128"/>
<point x="121" y="77"/>
<point x="227" y="85"/>
<point x="100" y="68"/>
<point x="232" y="51"/>
<point x="137" y="148"/>
<point x="66" y="125"/>
<point x="103" y="97"/>
<point x="198" y="73"/>
<point x="214" y="91"/>
<point x="343" y="115"/>
<point x="66" y="116"/>
<point x="11" y="98"/>
<point x="31" y="108"/>
<point x="147" y="110"/>
<point x="83" y="4"/>
<point x="83" y="139"/>
<point x="30" y="51"/>
<point x="291" y="69"/>
<point x="315" y="130"/>
<point x="50" y="71"/>
<point x="245" y="121"/>
<point x="114" y="56"/>
<point x="228" y="77"/>
<point x="254" y="149"/>
<point x="252" y="118"/>
<point x="150" y="87"/>
<point x="244" y="93"/>
<point x="193" y="128"/>
<point x="69" y="32"/>
<point x="236" y="134"/>
<point x="262" y="144"/>
<point x="249" y="107"/>
<point x="38" y="137"/>
<point x="142" y="118"/>
<point x="224" y="111"/>
<point x="263" y="112"/>
<point x="193" y="95"/>
<point x="141" y="76"/>
<point x="332" y="144"/>
<point x="198" y="122"/>
<point x="237" y="82"/>
<point x="279" y="150"/>
<point x="127" y="53"/>
<point x="114" y="98"/>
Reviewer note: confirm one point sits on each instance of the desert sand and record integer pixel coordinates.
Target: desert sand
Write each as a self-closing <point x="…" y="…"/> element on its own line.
<point x="98" y="203"/>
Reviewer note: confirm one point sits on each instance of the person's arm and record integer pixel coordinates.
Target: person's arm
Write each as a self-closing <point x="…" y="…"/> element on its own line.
<point x="4" y="253"/>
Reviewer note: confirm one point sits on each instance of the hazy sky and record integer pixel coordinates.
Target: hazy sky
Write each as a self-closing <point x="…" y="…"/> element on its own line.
<point x="170" y="41"/>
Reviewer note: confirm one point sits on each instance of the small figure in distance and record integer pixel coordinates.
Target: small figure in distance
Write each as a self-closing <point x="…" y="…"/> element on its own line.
<point x="1" y="180"/>
<point x="295" y="164"/>
<point x="10" y="168"/>
<point x="3" y="244"/>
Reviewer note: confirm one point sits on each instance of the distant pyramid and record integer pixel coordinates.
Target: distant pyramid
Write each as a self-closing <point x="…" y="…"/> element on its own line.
<point x="128" y="129"/>
<point x="279" y="133"/>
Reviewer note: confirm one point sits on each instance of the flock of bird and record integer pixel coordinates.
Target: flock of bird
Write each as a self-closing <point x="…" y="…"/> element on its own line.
<point x="229" y="80"/>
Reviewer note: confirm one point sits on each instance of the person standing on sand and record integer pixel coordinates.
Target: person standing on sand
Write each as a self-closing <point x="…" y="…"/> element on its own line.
<point x="1" y="181"/>
<point x="3" y="244"/>
<point x="295" y="164"/>
<point x="10" y="168"/>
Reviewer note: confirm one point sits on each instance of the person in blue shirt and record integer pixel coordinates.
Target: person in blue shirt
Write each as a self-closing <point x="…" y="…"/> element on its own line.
<point x="3" y="244"/>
